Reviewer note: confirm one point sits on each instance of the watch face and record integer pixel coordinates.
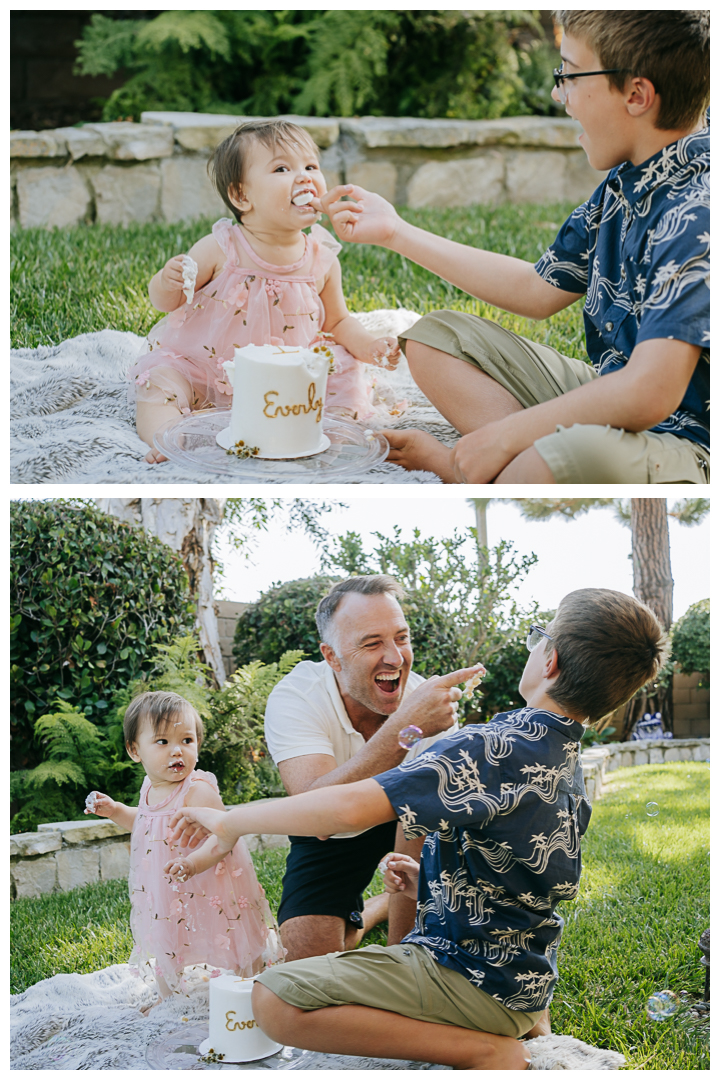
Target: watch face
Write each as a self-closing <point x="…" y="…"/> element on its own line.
<point x="356" y="919"/>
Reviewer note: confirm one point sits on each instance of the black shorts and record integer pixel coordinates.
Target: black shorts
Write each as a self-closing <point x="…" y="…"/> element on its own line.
<point x="328" y="877"/>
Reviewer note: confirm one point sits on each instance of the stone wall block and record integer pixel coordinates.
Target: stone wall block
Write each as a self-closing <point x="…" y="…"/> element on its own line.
<point x="127" y="195"/>
<point x="535" y="176"/>
<point x="627" y="759"/>
<point x="685" y="753"/>
<point x="83" y="832"/>
<point x="49" y="197"/>
<point x="580" y="177"/>
<point x="381" y="131"/>
<point x="203" y="131"/>
<point x="134" y="142"/>
<point x="33" y="877"/>
<point x="673" y="754"/>
<point x="83" y="142"/>
<point x="701" y="753"/>
<point x="37" y="144"/>
<point x="114" y="861"/>
<point x="77" y="867"/>
<point x="35" y="843"/>
<point x="377" y="176"/>
<point x="469" y="182"/>
<point x="641" y="757"/>
<point x="187" y="191"/>
<point x="655" y="755"/>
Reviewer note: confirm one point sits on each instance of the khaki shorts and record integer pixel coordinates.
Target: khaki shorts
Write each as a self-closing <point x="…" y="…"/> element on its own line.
<point x="399" y="978"/>
<point x="533" y="373"/>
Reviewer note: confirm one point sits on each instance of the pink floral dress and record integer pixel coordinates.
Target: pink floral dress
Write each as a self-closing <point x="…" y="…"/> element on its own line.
<point x="251" y="302"/>
<point x="219" y="917"/>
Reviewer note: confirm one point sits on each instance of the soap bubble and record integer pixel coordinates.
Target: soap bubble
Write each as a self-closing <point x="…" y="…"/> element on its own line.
<point x="409" y="736"/>
<point x="662" y="1004"/>
<point x="652" y="809"/>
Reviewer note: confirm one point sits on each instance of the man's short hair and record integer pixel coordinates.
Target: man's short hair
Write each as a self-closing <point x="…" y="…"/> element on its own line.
<point x="367" y="584"/>
<point x="608" y="646"/>
<point x="670" y="48"/>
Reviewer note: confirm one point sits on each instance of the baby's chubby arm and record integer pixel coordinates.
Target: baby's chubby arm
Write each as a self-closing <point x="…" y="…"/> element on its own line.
<point x="181" y="867"/>
<point x="166" y="288"/>
<point x="347" y="331"/>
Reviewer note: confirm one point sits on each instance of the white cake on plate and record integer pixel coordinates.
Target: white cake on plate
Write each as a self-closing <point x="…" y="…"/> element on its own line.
<point x="278" y="401"/>
<point x="234" y="1032"/>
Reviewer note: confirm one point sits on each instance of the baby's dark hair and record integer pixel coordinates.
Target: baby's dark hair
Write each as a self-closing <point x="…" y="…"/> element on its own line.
<point x="159" y="708"/>
<point x="227" y="164"/>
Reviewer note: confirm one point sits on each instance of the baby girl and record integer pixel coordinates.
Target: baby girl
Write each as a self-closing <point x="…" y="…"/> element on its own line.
<point x="261" y="279"/>
<point x="223" y="919"/>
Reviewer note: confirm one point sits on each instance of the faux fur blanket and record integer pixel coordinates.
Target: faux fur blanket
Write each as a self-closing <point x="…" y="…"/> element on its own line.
<point x="73" y="1022"/>
<point x="71" y="423"/>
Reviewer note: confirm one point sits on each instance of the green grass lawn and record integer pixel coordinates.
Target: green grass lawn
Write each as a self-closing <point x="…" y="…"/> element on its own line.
<point x="71" y="281"/>
<point x="643" y="903"/>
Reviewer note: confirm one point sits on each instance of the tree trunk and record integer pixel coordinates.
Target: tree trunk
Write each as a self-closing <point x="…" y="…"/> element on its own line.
<point x="653" y="584"/>
<point x="480" y="506"/>
<point x="188" y="527"/>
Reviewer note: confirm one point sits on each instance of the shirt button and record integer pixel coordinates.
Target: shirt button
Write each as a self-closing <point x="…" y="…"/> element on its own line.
<point x="608" y="326"/>
<point x="622" y="272"/>
<point x="406" y="952"/>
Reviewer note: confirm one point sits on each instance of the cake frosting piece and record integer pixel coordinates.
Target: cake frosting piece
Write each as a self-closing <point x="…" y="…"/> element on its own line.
<point x="278" y="401"/>
<point x="189" y="274"/>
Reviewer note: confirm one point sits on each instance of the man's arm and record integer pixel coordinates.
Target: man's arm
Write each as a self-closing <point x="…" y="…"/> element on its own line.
<point x="642" y="394"/>
<point x="430" y="707"/>
<point x="506" y="282"/>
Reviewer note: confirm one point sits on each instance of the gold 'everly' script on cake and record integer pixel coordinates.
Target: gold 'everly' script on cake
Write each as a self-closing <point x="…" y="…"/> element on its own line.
<point x="294" y="410"/>
<point x="234" y="1025"/>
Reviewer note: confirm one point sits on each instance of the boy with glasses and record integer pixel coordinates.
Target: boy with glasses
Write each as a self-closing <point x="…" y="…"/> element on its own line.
<point x="503" y="807"/>
<point x="638" y="250"/>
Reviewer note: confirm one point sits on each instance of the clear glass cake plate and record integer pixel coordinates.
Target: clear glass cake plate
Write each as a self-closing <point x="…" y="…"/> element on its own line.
<point x="191" y="441"/>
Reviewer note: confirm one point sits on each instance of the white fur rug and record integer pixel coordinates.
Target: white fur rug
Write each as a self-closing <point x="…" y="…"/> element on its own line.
<point x="82" y="1022"/>
<point x="71" y="422"/>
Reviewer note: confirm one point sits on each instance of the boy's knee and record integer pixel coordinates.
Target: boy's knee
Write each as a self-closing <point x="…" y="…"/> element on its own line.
<point x="270" y="1012"/>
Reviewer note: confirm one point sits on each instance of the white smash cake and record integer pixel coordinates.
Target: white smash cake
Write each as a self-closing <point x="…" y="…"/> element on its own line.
<point x="278" y="401"/>
<point x="234" y="1032"/>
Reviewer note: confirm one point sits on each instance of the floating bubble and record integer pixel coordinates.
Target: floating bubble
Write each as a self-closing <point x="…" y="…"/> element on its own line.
<point x="409" y="736"/>
<point x="662" y="1004"/>
<point x="652" y="809"/>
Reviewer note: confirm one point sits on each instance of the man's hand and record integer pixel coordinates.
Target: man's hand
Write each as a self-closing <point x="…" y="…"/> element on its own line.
<point x="192" y="824"/>
<point x="433" y="706"/>
<point x="370" y="219"/>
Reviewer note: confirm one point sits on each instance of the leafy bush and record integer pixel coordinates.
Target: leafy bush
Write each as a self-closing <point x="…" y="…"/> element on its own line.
<point x="691" y="641"/>
<point x="235" y="746"/>
<point x="284" y="618"/>
<point x="468" y="64"/>
<point x="90" y="597"/>
<point x="498" y="691"/>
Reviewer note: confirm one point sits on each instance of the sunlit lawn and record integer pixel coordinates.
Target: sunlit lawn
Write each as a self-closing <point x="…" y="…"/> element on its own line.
<point x="71" y="281"/>
<point x="643" y="904"/>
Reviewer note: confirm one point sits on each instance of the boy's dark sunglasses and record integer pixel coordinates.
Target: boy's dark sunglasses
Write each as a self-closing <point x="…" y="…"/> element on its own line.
<point x="534" y="637"/>
<point x="559" y="76"/>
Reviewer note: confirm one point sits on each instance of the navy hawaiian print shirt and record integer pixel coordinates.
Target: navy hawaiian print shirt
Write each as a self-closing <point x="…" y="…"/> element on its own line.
<point x="503" y="807"/>
<point x="640" y="250"/>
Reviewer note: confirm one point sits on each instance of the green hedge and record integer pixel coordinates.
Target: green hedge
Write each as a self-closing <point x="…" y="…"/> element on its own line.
<point x="691" y="640"/>
<point x="90" y="596"/>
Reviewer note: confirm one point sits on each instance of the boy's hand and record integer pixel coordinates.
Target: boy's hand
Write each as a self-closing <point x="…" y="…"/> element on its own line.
<point x="171" y="275"/>
<point x="385" y="352"/>
<point x="192" y="824"/>
<point x="180" y="869"/>
<point x="401" y="873"/>
<point x="102" y="805"/>
<point x="368" y="220"/>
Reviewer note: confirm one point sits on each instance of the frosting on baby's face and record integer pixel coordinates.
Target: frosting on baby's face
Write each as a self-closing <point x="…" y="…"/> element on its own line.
<point x="279" y="183"/>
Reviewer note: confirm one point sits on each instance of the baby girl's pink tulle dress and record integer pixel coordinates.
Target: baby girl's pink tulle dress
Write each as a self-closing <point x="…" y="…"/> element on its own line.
<point x="219" y="917"/>
<point x="251" y="302"/>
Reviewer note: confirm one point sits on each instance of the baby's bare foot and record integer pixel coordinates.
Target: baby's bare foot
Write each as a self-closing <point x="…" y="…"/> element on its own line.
<point x="415" y="449"/>
<point x="154" y="457"/>
<point x="147" y="1009"/>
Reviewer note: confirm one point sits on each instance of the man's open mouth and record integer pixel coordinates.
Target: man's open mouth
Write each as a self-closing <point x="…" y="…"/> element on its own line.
<point x="387" y="682"/>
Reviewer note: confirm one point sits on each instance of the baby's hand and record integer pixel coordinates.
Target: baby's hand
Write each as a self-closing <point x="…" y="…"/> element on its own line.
<point x="171" y="275"/>
<point x="180" y="868"/>
<point x="102" y="805"/>
<point x="385" y="352"/>
<point x="192" y="824"/>
<point x="400" y="873"/>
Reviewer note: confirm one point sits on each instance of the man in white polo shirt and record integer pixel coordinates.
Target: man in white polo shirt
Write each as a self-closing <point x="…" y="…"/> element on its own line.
<point x="336" y="722"/>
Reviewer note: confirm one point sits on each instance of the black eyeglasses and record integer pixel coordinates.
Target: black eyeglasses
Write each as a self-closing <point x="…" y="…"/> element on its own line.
<point x="560" y="76"/>
<point x="535" y="636"/>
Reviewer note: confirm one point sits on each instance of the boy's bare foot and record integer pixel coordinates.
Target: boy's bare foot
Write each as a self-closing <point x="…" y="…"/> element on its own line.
<point x="415" y="449"/>
<point x="542" y="1027"/>
<point x="154" y="457"/>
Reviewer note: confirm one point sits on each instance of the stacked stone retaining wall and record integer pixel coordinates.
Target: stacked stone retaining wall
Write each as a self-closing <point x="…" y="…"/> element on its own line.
<point x="64" y="855"/>
<point x="119" y="173"/>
